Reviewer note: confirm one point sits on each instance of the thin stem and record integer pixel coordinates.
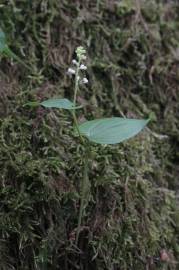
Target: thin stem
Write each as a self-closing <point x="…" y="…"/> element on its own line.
<point x="76" y="126"/>
<point x="76" y="82"/>
<point x="84" y="184"/>
<point x="84" y="180"/>
<point x="74" y="101"/>
<point x="83" y="194"/>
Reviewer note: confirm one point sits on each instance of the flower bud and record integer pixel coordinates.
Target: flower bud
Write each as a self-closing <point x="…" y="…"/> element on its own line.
<point x="80" y="51"/>
<point x="83" y="57"/>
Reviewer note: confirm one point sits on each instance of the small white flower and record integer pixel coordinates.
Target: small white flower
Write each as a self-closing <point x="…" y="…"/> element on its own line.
<point x="85" y="80"/>
<point x="74" y="62"/>
<point x="71" y="71"/>
<point x="83" y="67"/>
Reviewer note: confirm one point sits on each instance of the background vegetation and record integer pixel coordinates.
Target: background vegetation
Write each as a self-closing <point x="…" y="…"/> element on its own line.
<point x="132" y="220"/>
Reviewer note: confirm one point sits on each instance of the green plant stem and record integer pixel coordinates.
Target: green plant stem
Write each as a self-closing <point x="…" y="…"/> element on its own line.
<point x="84" y="180"/>
<point x="76" y="126"/>
<point x="83" y="194"/>
<point x="76" y="82"/>
<point x="86" y="159"/>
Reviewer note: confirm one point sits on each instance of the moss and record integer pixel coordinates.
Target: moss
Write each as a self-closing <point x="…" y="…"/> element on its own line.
<point x="131" y="220"/>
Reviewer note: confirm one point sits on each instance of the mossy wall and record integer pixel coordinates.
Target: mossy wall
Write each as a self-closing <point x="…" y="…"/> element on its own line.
<point x="132" y="219"/>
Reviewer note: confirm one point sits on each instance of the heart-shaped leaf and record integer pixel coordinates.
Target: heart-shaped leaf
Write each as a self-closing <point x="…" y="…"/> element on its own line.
<point x="111" y="130"/>
<point x="60" y="104"/>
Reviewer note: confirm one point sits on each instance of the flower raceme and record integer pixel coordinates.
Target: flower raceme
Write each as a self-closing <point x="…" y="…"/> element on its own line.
<point x="78" y="67"/>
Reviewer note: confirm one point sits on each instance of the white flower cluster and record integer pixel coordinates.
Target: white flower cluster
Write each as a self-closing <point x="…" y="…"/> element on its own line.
<point x="78" y="66"/>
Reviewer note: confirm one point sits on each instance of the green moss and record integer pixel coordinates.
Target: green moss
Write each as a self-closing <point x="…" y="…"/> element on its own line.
<point x="132" y="215"/>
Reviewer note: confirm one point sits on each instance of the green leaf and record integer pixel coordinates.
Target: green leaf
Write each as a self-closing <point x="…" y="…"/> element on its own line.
<point x="3" y="44"/>
<point x="60" y="104"/>
<point x="111" y="130"/>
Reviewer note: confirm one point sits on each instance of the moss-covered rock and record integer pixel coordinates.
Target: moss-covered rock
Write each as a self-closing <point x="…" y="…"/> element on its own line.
<point x="132" y="219"/>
